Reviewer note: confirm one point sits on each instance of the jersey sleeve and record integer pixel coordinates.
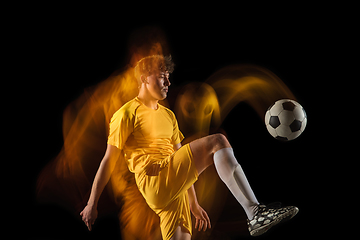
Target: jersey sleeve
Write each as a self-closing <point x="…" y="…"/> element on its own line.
<point x="121" y="126"/>
<point x="177" y="136"/>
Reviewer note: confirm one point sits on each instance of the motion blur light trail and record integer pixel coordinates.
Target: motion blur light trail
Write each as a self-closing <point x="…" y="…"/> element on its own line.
<point x="257" y="86"/>
<point x="199" y="107"/>
<point x="67" y="180"/>
<point x="85" y="129"/>
<point x="196" y="107"/>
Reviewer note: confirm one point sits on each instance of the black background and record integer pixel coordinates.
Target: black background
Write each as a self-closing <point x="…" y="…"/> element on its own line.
<point x="64" y="49"/>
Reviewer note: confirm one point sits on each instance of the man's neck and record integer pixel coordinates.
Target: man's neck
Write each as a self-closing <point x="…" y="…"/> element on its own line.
<point x="148" y="100"/>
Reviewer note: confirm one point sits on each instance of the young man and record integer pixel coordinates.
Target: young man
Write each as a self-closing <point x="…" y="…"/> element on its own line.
<point x="147" y="135"/>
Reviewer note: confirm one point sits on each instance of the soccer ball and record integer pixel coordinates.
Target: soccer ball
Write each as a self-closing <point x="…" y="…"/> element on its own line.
<point x="285" y="119"/>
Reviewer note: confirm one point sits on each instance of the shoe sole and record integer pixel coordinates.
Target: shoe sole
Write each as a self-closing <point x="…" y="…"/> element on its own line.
<point x="285" y="217"/>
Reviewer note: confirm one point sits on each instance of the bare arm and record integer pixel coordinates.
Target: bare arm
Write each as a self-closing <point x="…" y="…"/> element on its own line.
<point x="192" y="197"/>
<point x="103" y="174"/>
<point x="89" y="214"/>
<point x="177" y="146"/>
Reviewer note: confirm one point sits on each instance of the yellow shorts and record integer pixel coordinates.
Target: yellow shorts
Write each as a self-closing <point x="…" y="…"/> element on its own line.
<point x="166" y="194"/>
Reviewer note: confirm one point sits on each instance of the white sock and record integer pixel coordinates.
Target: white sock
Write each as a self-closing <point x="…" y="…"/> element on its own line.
<point x="231" y="173"/>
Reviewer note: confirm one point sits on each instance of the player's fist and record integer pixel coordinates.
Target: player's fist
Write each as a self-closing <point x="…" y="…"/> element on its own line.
<point x="89" y="215"/>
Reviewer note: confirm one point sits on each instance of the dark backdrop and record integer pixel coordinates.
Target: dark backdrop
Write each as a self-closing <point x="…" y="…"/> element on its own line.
<point x="64" y="50"/>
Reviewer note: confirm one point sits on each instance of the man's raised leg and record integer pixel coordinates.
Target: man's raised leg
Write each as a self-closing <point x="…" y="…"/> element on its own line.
<point x="216" y="149"/>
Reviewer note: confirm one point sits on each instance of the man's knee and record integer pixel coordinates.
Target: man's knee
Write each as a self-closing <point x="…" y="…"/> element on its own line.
<point x="219" y="142"/>
<point x="219" y="138"/>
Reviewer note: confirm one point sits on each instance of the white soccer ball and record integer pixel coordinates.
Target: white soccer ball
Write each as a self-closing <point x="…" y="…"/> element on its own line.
<point x="285" y="119"/>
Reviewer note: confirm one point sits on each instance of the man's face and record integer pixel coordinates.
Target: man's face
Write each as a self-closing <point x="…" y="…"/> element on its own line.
<point x="158" y="85"/>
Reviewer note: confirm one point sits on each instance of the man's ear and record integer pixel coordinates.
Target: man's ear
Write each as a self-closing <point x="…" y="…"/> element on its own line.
<point x="143" y="79"/>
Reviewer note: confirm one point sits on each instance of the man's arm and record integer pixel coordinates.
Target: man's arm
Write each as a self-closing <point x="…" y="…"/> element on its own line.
<point x="107" y="165"/>
<point x="177" y="146"/>
<point x="192" y="197"/>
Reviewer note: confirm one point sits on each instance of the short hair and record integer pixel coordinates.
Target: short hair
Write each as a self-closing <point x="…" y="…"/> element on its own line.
<point x="151" y="64"/>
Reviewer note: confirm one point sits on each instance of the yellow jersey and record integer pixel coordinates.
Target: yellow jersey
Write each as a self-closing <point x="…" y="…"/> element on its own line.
<point x="145" y="135"/>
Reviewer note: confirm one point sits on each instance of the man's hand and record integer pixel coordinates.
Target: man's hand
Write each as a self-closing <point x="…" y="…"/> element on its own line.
<point x="107" y="165"/>
<point x="89" y="215"/>
<point x="202" y="219"/>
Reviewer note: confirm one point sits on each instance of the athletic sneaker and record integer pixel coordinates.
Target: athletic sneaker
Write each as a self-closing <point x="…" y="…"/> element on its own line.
<point x="268" y="216"/>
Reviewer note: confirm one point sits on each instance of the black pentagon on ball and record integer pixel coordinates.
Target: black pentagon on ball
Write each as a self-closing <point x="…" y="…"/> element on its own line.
<point x="281" y="138"/>
<point x="288" y="106"/>
<point x="295" y="125"/>
<point x="274" y="121"/>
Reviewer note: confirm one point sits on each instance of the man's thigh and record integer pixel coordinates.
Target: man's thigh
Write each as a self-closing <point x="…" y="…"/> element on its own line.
<point x="181" y="234"/>
<point x="204" y="148"/>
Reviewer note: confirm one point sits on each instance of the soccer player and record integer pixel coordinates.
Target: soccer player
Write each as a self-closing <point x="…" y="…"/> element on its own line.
<point x="147" y="135"/>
